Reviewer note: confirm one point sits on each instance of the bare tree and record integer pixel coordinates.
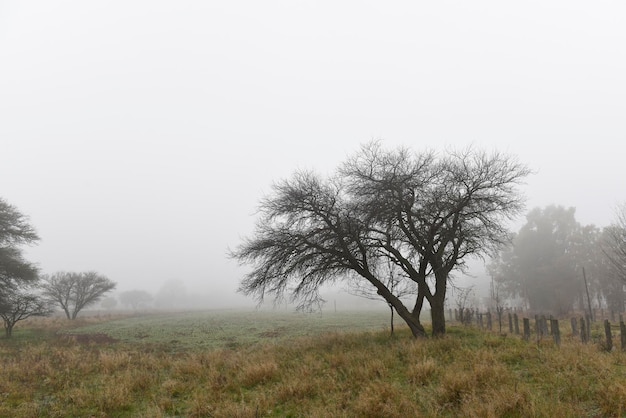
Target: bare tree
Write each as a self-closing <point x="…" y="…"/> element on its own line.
<point x="465" y="297"/>
<point x="422" y="212"/>
<point x="18" y="306"/>
<point x="614" y="245"/>
<point x="110" y="302"/>
<point x="75" y="291"/>
<point x="135" y="298"/>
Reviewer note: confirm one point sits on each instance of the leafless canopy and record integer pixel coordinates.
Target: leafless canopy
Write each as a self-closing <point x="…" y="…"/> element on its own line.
<point x="422" y="212"/>
<point x="20" y="305"/>
<point x="75" y="291"/>
<point x="614" y="245"/>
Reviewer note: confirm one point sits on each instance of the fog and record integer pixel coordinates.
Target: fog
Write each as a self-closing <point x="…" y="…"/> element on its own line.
<point x="139" y="136"/>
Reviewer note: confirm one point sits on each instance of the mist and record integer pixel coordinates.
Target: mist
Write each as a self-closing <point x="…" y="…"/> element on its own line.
<point x="140" y="136"/>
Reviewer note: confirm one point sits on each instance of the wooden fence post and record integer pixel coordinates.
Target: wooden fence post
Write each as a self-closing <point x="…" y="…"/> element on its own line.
<point x="609" y="336"/>
<point x="516" y="323"/>
<point x="526" y="329"/>
<point x="583" y="330"/>
<point x="538" y="329"/>
<point x="574" y="327"/>
<point x="510" y="323"/>
<point x="556" y="334"/>
<point x="622" y="331"/>
<point x="489" y="324"/>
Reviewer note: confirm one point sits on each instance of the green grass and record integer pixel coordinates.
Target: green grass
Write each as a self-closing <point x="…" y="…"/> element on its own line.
<point x="261" y="364"/>
<point x="231" y="329"/>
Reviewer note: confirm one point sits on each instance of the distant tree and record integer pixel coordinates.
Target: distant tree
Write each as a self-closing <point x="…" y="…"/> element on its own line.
<point x="541" y="265"/>
<point x="614" y="243"/>
<point x="75" y="291"/>
<point x="423" y="212"/>
<point x="465" y="299"/>
<point x="172" y="294"/>
<point x="19" y="305"/>
<point x="135" y="298"/>
<point x="109" y="302"/>
<point x="15" y="231"/>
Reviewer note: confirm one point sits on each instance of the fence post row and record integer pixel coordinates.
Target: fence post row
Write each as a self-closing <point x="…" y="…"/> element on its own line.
<point x="580" y="328"/>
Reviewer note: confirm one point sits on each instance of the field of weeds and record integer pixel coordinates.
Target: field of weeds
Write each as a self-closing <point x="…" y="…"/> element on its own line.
<point x="292" y="368"/>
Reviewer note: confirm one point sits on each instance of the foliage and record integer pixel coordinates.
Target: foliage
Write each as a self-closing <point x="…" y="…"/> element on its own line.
<point x="75" y="291"/>
<point x="540" y="266"/>
<point x="423" y="212"/>
<point x="467" y="373"/>
<point x="16" y="273"/>
<point x="544" y="265"/>
<point x="15" y="231"/>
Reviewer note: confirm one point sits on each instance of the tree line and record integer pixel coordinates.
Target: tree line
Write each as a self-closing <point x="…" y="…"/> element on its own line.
<point x="554" y="264"/>
<point x="24" y="292"/>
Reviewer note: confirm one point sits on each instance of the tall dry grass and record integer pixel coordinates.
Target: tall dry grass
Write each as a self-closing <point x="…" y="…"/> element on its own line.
<point x="467" y="373"/>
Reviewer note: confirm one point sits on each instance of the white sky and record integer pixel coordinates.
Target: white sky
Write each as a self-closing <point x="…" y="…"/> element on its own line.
<point x="140" y="135"/>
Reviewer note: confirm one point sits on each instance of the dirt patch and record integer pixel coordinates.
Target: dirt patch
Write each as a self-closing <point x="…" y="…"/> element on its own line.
<point x="91" y="338"/>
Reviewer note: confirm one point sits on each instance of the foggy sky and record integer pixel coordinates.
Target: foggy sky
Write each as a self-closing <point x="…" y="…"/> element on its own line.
<point x="139" y="136"/>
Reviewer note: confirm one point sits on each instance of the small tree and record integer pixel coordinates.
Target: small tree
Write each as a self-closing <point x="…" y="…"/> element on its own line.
<point x="15" y="231"/>
<point x="109" y="303"/>
<point x="171" y="295"/>
<point x="18" y="306"/>
<point x="614" y="245"/>
<point x="75" y="291"/>
<point x="463" y="298"/>
<point x="395" y="281"/>
<point x="135" y="298"/>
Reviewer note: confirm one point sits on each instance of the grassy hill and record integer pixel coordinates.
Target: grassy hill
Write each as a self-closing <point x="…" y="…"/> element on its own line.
<point x="225" y="364"/>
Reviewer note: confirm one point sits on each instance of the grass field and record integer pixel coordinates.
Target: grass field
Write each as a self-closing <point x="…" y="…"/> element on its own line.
<point x="257" y="364"/>
<point x="232" y="329"/>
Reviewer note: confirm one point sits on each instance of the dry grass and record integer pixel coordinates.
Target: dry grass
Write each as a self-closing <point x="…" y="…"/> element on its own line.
<point x="467" y="373"/>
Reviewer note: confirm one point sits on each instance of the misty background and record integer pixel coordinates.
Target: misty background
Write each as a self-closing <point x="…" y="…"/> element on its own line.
<point x="139" y="136"/>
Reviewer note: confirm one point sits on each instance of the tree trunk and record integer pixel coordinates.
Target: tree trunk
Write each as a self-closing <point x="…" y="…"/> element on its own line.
<point x="411" y="320"/>
<point x="391" y="308"/>
<point x="438" y="315"/>
<point x="417" y="329"/>
<point x="8" y="330"/>
<point x="437" y="301"/>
